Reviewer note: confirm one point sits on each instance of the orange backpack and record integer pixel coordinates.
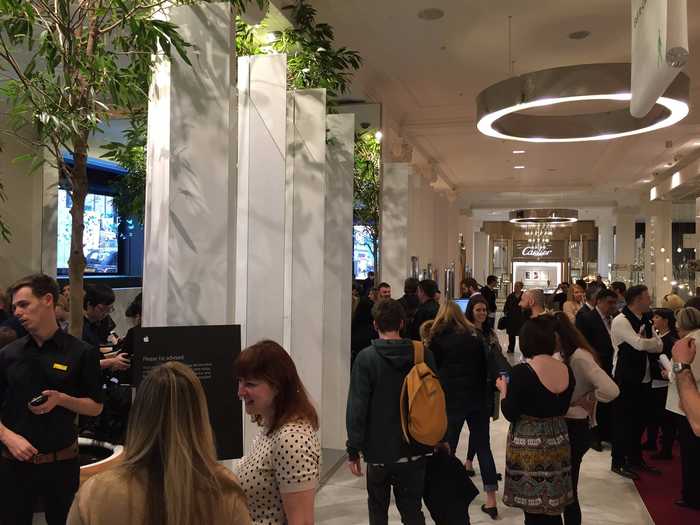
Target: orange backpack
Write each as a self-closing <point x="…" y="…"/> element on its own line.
<point x="423" y="410"/>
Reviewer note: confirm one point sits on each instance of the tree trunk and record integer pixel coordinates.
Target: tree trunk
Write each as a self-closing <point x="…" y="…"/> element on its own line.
<point x="76" y="262"/>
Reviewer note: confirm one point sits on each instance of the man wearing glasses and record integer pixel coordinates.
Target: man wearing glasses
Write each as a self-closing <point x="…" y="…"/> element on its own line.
<point x="98" y="325"/>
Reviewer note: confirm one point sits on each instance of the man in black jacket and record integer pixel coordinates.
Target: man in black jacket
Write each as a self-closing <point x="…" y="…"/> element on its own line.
<point x="489" y="292"/>
<point x="514" y="315"/>
<point x="373" y="421"/>
<point x="428" y="308"/>
<point x="595" y="326"/>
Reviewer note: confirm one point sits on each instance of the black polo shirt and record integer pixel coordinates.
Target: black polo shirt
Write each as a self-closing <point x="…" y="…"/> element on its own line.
<point x="62" y="363"/>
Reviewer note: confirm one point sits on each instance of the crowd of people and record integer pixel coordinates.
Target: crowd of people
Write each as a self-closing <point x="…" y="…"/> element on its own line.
<point x="599" y="369"/>
<point x="615" y="372"/>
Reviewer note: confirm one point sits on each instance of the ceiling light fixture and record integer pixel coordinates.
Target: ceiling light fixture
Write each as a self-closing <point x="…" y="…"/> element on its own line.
<point x="430" y="14"/>
<point x="554" y="216"/>
<point x="518" y="167"/>
<point x="499" y="106"/>
<point x="518" y="151"/>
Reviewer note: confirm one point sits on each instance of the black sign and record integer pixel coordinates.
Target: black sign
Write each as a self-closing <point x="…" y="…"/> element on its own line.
<point x="210" y="352"/>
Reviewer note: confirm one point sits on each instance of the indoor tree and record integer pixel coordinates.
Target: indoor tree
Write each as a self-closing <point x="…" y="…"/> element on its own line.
<point x="4" y="230"/>
<point x="68" y="67"/>
<point x="313" y="61"/>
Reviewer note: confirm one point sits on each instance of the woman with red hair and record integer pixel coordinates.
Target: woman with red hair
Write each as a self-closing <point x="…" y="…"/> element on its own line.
<point x="281" y="474"/>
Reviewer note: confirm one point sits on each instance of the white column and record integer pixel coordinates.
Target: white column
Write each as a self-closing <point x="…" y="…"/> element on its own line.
<point x="190" y="193"/>
<point x="305" y="236"/>
<point x="605" y="247"/>
<point x="337" y="278"/>
<point x="625" y="236"/>
<point x="658" y="272"/>
<point x="482" y="254"/>
<point x="262" y="86"/>
<point x="697" y="227"/>
<point x="49" y="230"/>
<point x="394" y="223"/>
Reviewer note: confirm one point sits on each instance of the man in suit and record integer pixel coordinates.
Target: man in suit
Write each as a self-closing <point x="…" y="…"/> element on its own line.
<point x="633" y="335"/>
<point x="595" y="325"/>
<point x="591" y="293"/>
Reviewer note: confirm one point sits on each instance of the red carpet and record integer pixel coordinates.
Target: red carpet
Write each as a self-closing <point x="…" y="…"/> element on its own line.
<point x="660" y="492"/>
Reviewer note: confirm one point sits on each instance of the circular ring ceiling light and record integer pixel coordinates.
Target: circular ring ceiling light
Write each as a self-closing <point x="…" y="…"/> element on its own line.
<point x="499" y="106"/>
<point x="552" y="216"/>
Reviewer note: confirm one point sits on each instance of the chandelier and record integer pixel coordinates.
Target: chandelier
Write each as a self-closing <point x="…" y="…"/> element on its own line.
<point x="539" y="236"/>
<point x="502" y="108"/>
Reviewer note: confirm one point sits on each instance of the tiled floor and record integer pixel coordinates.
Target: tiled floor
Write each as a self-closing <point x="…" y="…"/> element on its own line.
<point x="606" y="499"/>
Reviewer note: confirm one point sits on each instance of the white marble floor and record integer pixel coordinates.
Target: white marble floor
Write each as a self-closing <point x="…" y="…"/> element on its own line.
<point x="606" y="499"/>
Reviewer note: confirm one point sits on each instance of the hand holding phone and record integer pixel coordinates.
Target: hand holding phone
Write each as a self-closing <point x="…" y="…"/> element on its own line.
<point x="38" y="400"/>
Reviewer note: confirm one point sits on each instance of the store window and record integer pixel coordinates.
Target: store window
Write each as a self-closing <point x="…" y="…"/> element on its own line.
<point x="113" y="247"/>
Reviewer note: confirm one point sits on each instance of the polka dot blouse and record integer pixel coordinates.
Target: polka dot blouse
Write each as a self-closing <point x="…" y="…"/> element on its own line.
<point x="289" y="460"/>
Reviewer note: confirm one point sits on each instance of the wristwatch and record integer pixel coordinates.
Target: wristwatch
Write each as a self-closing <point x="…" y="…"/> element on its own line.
<point x="679" y="367"/>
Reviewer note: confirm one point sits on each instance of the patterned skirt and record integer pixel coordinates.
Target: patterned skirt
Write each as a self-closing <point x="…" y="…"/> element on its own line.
<point x="538" y="466"/>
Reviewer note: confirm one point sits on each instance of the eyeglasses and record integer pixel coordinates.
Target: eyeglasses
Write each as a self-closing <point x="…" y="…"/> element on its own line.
<point x="107" y="308"/>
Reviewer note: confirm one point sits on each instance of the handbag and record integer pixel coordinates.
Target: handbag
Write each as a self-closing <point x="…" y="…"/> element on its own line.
<point x="503" y="323"/>
<point x="448" y="490"/>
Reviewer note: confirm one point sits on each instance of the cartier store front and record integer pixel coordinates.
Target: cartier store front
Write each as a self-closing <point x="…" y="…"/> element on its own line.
<point x="570" y="254"/>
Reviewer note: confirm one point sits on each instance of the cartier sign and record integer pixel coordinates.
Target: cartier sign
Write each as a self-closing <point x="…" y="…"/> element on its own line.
<point x="530" y="251"/>
<point x="525" y="251"/>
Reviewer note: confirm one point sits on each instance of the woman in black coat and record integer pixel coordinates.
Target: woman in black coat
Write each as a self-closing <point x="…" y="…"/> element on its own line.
<point x="514" y="317"/>
<point x="462" y="363"/>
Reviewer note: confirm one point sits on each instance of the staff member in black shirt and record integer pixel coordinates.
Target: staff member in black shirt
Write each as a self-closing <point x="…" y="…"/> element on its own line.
<point x="39" y="453"/>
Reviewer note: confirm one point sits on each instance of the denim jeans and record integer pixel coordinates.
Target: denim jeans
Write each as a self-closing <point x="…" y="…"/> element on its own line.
<point x="478" y="422"/>
<point x="408" y="482"/>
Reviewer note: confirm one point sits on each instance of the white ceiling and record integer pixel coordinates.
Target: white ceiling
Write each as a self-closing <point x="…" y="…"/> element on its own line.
<point x="427" y="76"/>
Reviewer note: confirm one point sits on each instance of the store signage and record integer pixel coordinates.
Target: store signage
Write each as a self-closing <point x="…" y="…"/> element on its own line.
<point x="659" y="49"/>
<point x="530" y="251"/>
<point x="210" y="352"/>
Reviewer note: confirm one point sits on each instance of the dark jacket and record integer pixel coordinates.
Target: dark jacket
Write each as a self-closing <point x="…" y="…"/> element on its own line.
<point x="495" y="364"/>
<point x="461" y="364"/>
<point x="490" y="297"/>
<point x="515" y="318"/>
<point x="593" y="328"/>
<point x="631" y="363"/>
<point x="655" y="369"/>
<point x="425" y="312"/>
<point x="372" y="418"/>
<point x="410" y="304"/>
<point x="362" y="328"/>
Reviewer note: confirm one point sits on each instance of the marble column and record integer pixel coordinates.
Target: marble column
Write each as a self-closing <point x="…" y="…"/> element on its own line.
<point x="189" y="262"/>
<point x="482" y="256"/>
<point x="658" y="272"/>
<point x="394" y="224"/>
<point x="337" y="278"/>
<point x="304" y="236"/>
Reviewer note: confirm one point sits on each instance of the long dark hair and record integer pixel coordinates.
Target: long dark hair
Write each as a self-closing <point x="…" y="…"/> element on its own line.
<point x="486" y="328"/>
<point x="268" y="361"/>
<point x="570" y="339"/>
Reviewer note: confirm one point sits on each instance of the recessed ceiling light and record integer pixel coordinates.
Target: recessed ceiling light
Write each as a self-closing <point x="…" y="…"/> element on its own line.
<point x="646" y="181"/>
<point x="518" y="167"/>
<point x="518" y="151"/>
<point x="579" y="35"/>
<point x="432" y="13"/>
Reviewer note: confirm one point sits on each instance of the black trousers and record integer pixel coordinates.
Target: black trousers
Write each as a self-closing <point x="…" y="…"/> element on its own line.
<point x="690" y="462"/>
<point x="580" y="439"/>
<point x="660" y="418"/>
<point x="542" y="519"/>
<point x="628" y="423"/>
<point x="21" y="483"/>
<point x="407" y="480"/>
<point x="511" y="342"/>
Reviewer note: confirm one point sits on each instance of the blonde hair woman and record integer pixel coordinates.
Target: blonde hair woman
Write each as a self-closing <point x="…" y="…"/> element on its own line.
<point x="169" y="475"/>
<point x="574" y="302"/>
<point x="464" y="364"/>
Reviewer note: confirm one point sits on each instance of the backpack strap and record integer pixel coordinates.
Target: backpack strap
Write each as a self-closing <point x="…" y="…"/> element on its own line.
<point x="418" y="352"/>
<point x="403" y="409"/>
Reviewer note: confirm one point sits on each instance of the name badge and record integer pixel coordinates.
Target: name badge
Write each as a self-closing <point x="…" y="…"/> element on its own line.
<point x="59" y="366"/>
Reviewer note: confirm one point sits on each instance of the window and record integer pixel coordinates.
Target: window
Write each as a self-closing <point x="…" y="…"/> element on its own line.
<point x="363" y="259"/>
<point x="101" y="235"/>
<point x="113" y="248"/>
